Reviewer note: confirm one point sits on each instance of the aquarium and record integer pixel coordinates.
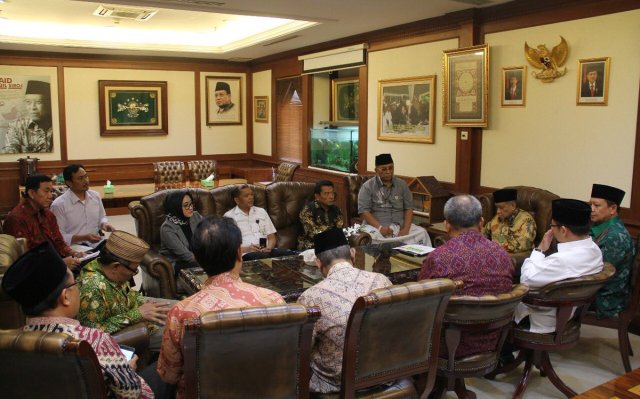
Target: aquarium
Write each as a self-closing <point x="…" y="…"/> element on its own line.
<point x="335" y="149"/>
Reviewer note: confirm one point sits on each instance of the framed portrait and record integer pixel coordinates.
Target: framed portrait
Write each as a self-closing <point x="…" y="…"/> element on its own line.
<point x="345" y="99"/>
<point x="466" y="87"/>
<point x="514" y="86"/>
<point x="261" y="109"/>
<point x="593" y="81"/>
<point x="132" y="108"/>
<point x="224" y="100"/>
<point x="406" y="109"/>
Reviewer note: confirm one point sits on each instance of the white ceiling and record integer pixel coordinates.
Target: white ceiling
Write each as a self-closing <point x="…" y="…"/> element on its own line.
<point x="334" y="19"/>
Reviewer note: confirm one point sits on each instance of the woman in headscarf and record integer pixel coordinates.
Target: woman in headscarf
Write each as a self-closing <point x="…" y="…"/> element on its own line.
<point x="176" y="231"/>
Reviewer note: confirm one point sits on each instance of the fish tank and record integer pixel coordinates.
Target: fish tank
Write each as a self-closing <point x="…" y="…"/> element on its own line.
<point x="335" y="148"/>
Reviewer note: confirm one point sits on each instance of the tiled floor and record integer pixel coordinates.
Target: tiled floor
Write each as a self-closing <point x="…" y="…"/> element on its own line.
<point x="594" y="361"/>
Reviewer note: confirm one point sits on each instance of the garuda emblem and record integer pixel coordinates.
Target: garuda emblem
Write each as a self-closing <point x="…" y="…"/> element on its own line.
<point x="548" y="62"/>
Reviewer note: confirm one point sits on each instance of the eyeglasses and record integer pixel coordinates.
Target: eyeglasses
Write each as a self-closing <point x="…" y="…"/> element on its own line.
<point x="127" y="265"/>
<point x="187" y="205"/>
<point x="70" y="285"/>
<point x="556" y="225"/>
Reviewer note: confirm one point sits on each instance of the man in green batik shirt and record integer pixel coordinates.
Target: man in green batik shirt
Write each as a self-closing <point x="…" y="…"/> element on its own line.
<point x="512" y="228"/>
<point x="107" y="301"/>
<point x="616" y="245"/>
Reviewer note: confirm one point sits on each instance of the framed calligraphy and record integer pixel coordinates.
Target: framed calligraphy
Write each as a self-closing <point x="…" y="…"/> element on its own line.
<point x="132" y="108"/>
<point x="466" y="86"/>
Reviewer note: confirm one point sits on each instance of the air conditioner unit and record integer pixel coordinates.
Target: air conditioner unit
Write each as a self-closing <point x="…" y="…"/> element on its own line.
<point x="137" y="14"/>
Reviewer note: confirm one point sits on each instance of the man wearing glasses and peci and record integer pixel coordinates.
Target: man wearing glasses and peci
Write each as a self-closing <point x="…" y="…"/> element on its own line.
<point x="107" y="301"/>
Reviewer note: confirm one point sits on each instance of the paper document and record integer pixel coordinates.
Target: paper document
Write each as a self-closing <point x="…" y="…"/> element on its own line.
<point x="90" y="256"/>
<point x="414" y="249"/>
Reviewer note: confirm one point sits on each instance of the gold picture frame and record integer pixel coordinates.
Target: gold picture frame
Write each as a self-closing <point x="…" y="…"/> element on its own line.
<point x="596" y="92"/>
<point x="132" y="108"/>
<point x="345" y="99"/>
<point x="224" y="109"/>
<point x="406" y="109"/>
<point x="261" y="109"/>
<point x="514" y="86"/>
<point x="466" y="86"/>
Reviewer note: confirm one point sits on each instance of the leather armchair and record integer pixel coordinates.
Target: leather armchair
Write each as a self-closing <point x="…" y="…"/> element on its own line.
<point x="168" y="172"/>
<point x="270" y="344"/>
<point x="11" y="315"/>
<point x="64" y="367"/>
<point x="474" y="315"/>
<point x="201" y="169"/>
<point x="353" y="184"/>
<point x="285" y="171"/>
<point x="534" y="347"/>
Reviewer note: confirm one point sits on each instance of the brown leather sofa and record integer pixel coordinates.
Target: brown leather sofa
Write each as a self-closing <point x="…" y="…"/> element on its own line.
<point x="283" y="201"/>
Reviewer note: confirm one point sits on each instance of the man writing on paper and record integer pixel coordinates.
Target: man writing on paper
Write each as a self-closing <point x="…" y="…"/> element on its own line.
<point x="385" y="204"/>
<point x="79" y="211"/>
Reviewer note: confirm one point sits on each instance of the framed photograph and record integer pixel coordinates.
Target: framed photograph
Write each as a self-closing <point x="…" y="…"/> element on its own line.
<point x="224" y="100"/>
<point x="514" y="86"/>
<point x="466" y="87"/>
<point x="406" y="109"/>
<point x="593" y="81"/>
<point x="261" y="109"/>
<point x="345" y="99"/>
<point x="132" y="108"/>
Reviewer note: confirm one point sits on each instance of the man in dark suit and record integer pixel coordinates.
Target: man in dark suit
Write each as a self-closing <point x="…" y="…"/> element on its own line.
<point x="513" y="91"/>
<point x="593" y="86"/>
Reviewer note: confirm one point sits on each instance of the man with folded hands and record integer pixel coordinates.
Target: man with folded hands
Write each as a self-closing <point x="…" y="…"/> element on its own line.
<point x="513" y="228"/>
<point x="335" y="296"/>
<point x="49" y="295"/>
<point x="386" y="205"/>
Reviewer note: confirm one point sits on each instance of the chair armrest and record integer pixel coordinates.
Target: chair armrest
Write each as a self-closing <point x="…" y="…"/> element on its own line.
<point x="359" y="239"/>
<point x="158" y="276"/>
<point x="142" y="220"/>
<point x="136" y="336"/>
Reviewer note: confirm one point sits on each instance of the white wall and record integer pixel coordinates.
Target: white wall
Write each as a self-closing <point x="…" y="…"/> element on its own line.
<point x="83" y="123"/>
<point x="551" y="142"/>
<point x="262" y="131"/>
<point x="412" y="159"/>
<point x="224" y="139"/>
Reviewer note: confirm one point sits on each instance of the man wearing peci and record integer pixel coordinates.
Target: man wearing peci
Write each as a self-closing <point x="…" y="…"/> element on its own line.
<point x="386" y="205"/>
<point x="34" y="133"/>
<point x="222" y="96"/>
<point x="593" y="86"/>
<point x="613" y="239"/>
<point x="513" y="228"/>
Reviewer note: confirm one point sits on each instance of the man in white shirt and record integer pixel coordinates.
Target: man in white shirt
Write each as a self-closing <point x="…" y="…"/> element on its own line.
<point x="258" y="232"/>
<point x="577" y="256"/>
<point x="79" y="211"/>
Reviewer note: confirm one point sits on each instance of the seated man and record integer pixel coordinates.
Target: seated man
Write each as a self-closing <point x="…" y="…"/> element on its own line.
<point x="385" y="204"/>
<point x="217" y="247"/>
<point x="258" y="232"/>
<point x="107" y="301"/>
<point x="335" y="295"/>
<point x="32" y="219"/>
<point x="511" y="227"/>
<point x="79" y="211"/>
<point x="320" y="214"/>
<point x="484" y="266"/>
<point x="609" y="233"/>
<point x="577" y="256"/>
<point x="45" y="288"/>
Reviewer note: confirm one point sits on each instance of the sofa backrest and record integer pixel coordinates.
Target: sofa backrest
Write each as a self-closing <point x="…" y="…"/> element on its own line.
<point x="283" y="202"/>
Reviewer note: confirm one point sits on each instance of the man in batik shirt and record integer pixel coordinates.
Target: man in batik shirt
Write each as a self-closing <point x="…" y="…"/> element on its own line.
<point x="511" y="227"/>
<point x="107" y="300"/>
<point x="216" y="246"/>
<point x="484" y="266"/>
<point x="608" y="231"/>
<point x="45" y="288"/>
<point x="319" y="215"/>
<point x="335" y="296"/>
<point x="33" y="133"/>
